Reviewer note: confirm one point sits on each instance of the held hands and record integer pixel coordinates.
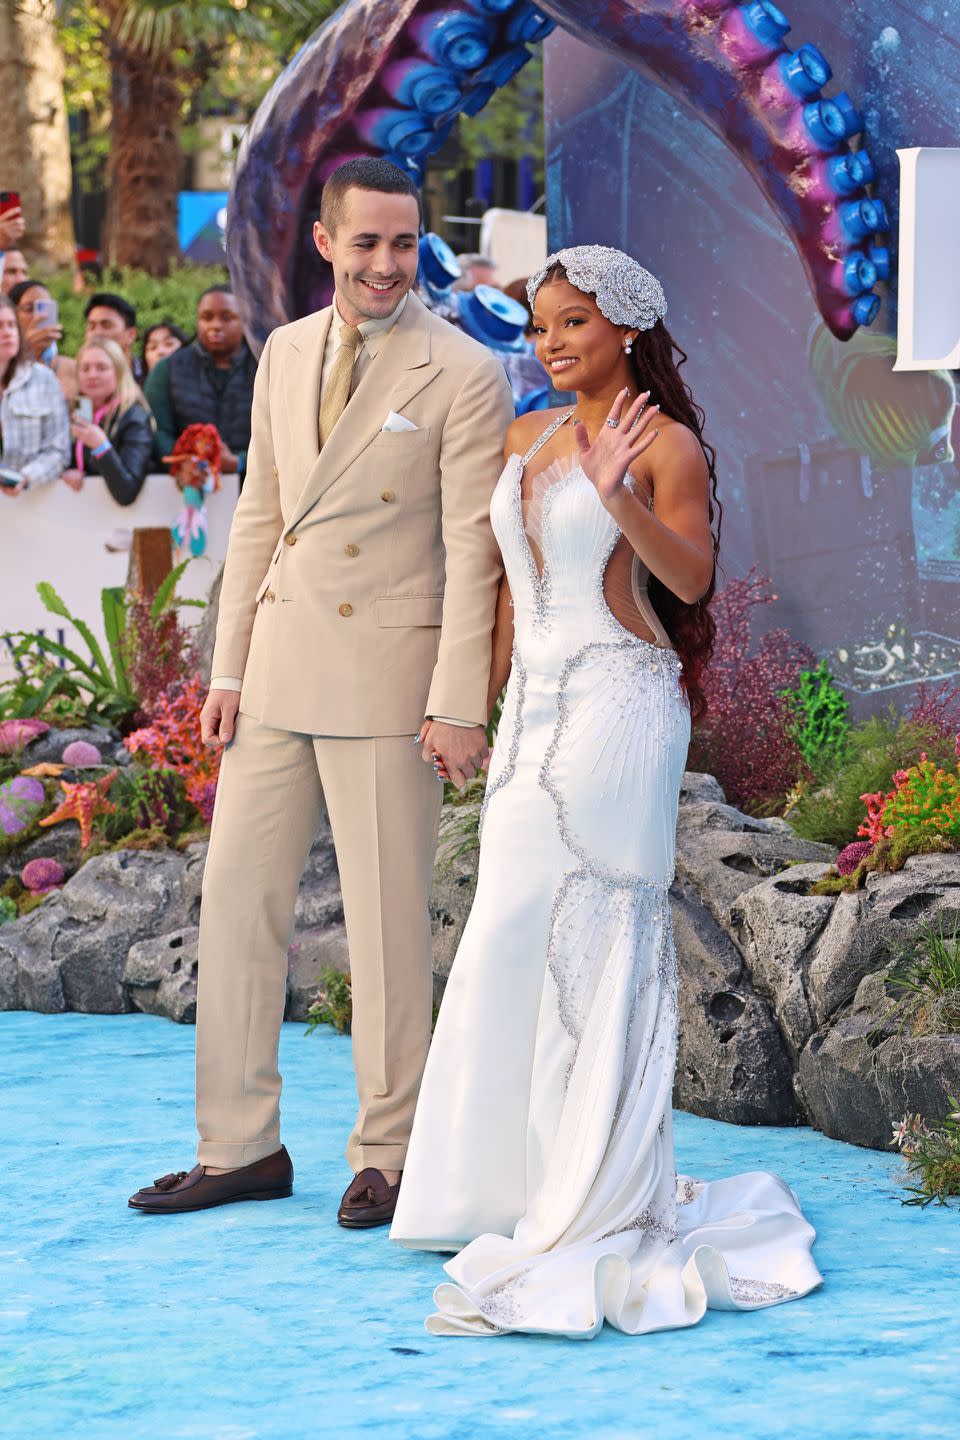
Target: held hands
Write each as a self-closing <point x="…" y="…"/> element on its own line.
<point x="456" y="753"/>
<point x="218" y="717"/>
<point x="621" y="441"/>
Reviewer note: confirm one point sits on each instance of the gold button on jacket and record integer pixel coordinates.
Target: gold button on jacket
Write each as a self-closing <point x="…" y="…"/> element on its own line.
<point x="352" y="550"/>
<point x="346" y="611"/>
<point x="289" y="539"/>
<point x="387" y="496"/>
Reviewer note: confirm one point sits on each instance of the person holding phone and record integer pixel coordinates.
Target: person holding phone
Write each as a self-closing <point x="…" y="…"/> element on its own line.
<point x="34" y="425"/>
<point x="42" y="332"/>
<point x="111" y="424"/>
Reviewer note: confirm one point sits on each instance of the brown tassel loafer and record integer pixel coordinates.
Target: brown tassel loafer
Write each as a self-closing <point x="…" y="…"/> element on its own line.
<point x="368" y="1201"/>
<point x="267" y="1179"/>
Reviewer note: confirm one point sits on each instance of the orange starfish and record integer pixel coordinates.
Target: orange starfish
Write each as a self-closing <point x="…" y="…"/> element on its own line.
<point x="45" y="768"/>
<point x="83" y="802"/>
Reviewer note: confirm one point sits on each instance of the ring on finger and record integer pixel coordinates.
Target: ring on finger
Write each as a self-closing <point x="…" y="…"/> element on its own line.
<point x="614" y="424"/>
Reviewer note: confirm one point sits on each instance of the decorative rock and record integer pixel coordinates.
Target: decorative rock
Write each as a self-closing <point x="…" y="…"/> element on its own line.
<point x="697" y="786"/>
<point x="80" y="754"/>
<point x="454" y="887"/>
<point x="21" y="801"/>
<point x="42" y="875"/>
<point x="312" y="952"/>
<point x="776" y="923"/>
<point x="160" y="975"/>
<point x="16" y="734"/>
<point x="70" y="952"/>
<point x="838" y="960"/>
<point x="731" y="1063"/>
<point x="53" y="744"/>
<point x="722" y="864"/>
<point x="60" y="843"/>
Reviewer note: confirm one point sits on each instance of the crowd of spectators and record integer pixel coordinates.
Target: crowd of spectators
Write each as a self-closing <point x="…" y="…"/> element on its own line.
<point x="112" y="413"/>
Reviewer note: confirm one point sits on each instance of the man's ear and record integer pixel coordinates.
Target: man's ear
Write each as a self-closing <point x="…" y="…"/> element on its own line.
<point x="321" y="239"/>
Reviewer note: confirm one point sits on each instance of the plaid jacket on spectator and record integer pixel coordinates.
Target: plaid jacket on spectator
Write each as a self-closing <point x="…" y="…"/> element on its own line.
<point x="35" y="425"/>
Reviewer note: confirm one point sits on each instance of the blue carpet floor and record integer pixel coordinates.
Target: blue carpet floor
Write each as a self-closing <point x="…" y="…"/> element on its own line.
<point x="269" y="1321"/>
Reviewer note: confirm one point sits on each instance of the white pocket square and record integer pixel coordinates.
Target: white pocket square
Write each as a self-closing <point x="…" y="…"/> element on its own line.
<point x="396" y="422"/>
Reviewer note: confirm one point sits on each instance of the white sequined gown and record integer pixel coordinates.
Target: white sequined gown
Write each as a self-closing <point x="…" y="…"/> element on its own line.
<point x="542" y="1148"/>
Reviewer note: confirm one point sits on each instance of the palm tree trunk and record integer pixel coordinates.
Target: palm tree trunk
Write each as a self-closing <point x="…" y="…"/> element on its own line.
<point x="34" y="141"/>
<point x="146" y="160"/>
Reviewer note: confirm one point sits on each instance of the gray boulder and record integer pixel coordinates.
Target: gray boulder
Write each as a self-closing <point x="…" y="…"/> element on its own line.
<point x="49" y="748"/>
<point x="454" y="888"/>
<point x="732" y="1063"/>
<point x="776" y="923"/>
<point x="312" y="952"/>
<point x="722" y="862"/>
<point x="160" y="975"/>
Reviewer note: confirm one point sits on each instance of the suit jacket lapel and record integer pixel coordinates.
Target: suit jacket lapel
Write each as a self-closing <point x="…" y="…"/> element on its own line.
<point x="400" y="370"/>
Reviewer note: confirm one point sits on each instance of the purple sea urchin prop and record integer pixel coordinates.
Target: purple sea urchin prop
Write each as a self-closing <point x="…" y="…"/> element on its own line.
<point x="851" y="855"/>
<point x="21" y="800"/>
<point x="80" y="753"/>
<point x="42" y="875"/>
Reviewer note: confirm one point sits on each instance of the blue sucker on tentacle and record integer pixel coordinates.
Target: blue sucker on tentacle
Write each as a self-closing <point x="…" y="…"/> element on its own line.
<point x="388" y="77"/>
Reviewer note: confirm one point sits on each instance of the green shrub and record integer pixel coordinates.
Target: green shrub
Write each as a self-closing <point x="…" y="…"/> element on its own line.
<point x="932" y="1154"/>
<point x="333" y="1004"/>
<point x="874" y="751"/>
<point x="819" y="725"/>
<point x="172" y="298"/>
<point x="927" y="974"/>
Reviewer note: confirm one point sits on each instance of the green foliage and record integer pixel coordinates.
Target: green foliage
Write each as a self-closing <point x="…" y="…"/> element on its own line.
<point x="932" y="1154"/>
<point x="928" y="974"/>
<point x="333" y="1004"/>
<point x="510" y="125"/>
<point x="874" y="751"/>
<point x="889" y="854"/>
<point x="171" y="298"/>
<point x="819" y="727"/>
<point x="927" y="798"/>
<point x="8" y="909"/>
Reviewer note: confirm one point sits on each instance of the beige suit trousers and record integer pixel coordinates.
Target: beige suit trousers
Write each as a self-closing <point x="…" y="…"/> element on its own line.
<point x="384" y="809"/>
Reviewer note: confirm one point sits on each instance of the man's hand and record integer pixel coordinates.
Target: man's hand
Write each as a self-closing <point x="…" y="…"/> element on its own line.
<point x="461" y="751"/>
<point x="228" y="461"/>
<point x="218" y="717"/>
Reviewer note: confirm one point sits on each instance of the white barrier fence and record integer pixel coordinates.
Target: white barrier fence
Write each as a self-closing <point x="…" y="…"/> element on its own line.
<point x="81" y="543"/>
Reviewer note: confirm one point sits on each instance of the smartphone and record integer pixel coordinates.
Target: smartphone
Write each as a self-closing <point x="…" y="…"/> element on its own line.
<point x="9" y="200"/>
<point x="10" y="478"/>
<point x="84" y="408"/>
<point x="46" y="311"/>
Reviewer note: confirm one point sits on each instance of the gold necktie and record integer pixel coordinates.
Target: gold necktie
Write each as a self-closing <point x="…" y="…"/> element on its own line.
<point x="336" y="392"/>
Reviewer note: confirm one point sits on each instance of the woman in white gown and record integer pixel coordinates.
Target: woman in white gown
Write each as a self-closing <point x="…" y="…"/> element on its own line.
<point x="542" y="1148"/>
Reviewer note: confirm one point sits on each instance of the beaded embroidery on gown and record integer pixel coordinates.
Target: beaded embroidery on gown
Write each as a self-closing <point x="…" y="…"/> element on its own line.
<point x="542" y="1148"/>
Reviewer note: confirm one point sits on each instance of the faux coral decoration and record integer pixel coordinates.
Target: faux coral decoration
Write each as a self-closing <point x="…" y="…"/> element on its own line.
<point x="15" y="734"/>
<point x="83" y="802"/>
<point x="851" y="855"/>
<point x="747" y="738"/>
<point x="80" y="753"/>
<point x="172" y="741"/>
<point x="42" y="875"/>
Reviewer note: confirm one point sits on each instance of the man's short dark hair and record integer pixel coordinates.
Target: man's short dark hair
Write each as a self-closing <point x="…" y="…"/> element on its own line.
<point x="109" y="301"/>
<point x="219" y="289"/>
<point x="369" y="173"/>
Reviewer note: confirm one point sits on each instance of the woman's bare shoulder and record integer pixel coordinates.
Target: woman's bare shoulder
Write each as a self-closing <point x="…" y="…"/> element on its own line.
<point x="522" y="431"/>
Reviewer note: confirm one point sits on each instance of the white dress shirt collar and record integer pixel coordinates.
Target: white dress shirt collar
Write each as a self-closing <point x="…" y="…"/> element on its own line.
<point x="372" y="331"/>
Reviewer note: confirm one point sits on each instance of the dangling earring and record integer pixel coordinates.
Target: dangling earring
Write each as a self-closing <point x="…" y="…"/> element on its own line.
<point x="628" y="348"/>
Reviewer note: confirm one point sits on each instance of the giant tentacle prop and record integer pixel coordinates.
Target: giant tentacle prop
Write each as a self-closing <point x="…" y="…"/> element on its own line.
<point x="389" y="79"/>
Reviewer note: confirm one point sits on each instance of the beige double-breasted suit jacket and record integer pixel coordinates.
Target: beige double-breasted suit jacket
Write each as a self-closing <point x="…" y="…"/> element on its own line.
<point x="358" y="597"/>
<point x="360" y="582"/>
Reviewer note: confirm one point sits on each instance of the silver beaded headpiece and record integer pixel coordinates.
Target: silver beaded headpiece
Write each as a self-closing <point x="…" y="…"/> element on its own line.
<point x="625" y="293"/>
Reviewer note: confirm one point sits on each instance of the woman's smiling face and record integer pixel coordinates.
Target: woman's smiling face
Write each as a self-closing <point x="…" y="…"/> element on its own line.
<point x="578" y="346"/>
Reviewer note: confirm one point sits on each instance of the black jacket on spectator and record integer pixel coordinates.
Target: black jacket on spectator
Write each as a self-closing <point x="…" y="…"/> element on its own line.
<point x="125" y="466"/>
<point x="187" y="388"/>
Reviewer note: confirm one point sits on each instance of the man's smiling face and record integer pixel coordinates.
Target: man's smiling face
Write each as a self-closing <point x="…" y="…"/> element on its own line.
<point x="373" y="252"/>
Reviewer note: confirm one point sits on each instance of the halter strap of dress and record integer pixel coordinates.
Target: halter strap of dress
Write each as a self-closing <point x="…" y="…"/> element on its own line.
<point x="551" y="429"/>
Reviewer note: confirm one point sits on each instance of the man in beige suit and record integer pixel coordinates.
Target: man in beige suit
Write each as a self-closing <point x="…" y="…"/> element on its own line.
<point x="356" y="615"/>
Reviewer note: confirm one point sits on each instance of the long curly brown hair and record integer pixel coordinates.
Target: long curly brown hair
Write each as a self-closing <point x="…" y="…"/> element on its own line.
<point x="691" y="627"/>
